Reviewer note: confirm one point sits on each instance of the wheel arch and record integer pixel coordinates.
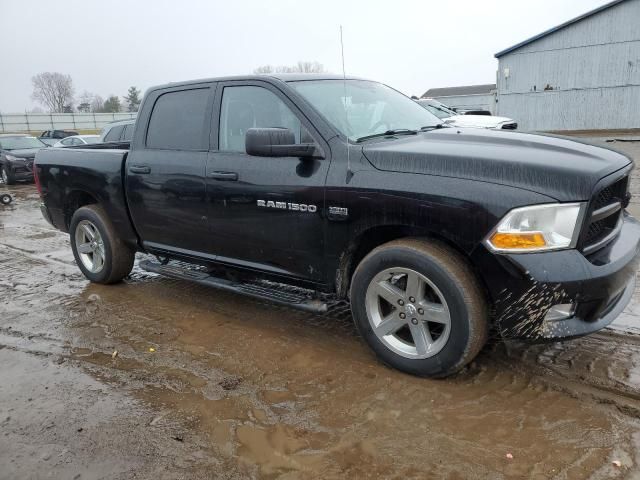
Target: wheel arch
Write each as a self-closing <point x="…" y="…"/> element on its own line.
<point x="74" y="200"/>
<point x="373" y="237"/>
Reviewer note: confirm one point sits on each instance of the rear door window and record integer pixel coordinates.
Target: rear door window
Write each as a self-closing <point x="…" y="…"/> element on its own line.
<point x="114" y="134"/>
<point x="178" y="121"/>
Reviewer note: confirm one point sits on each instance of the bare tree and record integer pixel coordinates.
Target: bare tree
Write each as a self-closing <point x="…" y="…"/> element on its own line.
<point x="286" y="69"/>
<point x="84" y="102"/>
<point x="97" y="104"/>
<point x="310" y="67"/>
<point x="53" y="90"/>
<point x="263" y="69"/>
<point x="300" y="67"/>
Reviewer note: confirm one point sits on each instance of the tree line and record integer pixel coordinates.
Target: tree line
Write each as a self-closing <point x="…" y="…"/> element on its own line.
<point x="55" y="92"/>
<point x="299" y="67"/>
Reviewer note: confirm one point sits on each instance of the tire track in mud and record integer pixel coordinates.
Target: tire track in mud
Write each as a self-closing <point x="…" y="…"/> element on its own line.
<point x="603" y="366"/>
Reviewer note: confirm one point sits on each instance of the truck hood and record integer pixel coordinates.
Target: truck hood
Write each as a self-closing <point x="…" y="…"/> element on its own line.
<point x="564" y="169"/>
<point x="479" y="121"/>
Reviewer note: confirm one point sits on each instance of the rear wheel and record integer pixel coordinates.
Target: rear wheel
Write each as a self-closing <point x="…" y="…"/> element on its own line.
<point x="419" y="307"/>
<point x="7" y="176"/>
<point x="99" y="252"/>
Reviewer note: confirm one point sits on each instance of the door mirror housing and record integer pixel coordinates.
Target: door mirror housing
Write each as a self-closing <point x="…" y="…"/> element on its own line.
<point x="277" y="142"/>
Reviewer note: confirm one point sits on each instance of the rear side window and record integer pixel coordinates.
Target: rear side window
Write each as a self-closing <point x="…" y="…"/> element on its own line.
<point x="177" y="121"/>
<point x="114" y="134"/>
<point x="128" y="133"/>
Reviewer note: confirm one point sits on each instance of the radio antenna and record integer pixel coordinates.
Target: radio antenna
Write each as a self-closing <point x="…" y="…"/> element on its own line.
<point x="346" y="115"/>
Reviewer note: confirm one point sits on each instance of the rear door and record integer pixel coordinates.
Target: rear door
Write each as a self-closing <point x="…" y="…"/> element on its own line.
<point x="265" y="213"/>
<point x="165" y="171"/>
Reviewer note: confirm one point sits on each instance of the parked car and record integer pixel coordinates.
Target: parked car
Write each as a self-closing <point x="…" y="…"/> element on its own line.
<point x="77" y="140"/>
<point x="119" y="131"/>
<point x="457" y="119"/>
<point x="464" y="111"/>
<point x="434" y="234"/>
<point x="16" y="157"/>
<point x="51" y="137"/>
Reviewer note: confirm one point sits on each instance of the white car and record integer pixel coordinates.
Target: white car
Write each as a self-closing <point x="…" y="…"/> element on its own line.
<point x="451" y="117"/>
<point x="78" y="140"/>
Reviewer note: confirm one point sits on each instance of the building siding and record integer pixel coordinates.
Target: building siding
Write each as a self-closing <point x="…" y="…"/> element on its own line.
<point x="591" y="70"/>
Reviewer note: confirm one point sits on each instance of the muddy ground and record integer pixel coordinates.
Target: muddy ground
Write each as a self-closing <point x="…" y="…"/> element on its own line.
<point x="207" y="384"/>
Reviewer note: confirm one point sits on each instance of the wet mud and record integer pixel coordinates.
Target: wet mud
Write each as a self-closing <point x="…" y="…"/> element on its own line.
<point x="156" y="378"/>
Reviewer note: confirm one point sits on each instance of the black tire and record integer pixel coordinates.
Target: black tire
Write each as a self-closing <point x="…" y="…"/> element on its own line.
<point x="118" y="257"/>
<point x="5" y="199"/>
<point x="7" y="177"/>
<point x="449" y="272"/>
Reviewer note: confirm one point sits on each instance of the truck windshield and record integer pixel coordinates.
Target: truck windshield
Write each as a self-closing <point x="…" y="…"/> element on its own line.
<point x="361" y="108"/>
<point x="17" y="143"/>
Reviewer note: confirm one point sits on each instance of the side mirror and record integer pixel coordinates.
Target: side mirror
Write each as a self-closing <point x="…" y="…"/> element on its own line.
<point x="277" y="142"/>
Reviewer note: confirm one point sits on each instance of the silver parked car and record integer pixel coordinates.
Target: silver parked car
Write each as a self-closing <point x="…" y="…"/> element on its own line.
<point x="452" y="117"/>
<point x="76" y="140"/>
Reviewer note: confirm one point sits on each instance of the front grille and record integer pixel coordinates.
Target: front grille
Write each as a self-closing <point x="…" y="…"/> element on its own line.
<point x="510" y="126"/>
<point x="600" y="229"/>
<point x="605" y="211"/>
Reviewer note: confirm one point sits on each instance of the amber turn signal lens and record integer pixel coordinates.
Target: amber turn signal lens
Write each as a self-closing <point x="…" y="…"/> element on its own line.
<point x="518" y="240"/>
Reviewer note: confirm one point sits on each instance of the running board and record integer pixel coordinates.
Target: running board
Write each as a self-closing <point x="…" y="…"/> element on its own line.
<point x="263" y="292"/>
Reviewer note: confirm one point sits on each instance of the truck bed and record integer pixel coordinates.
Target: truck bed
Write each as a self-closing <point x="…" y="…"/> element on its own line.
<point x="75" y="176"/>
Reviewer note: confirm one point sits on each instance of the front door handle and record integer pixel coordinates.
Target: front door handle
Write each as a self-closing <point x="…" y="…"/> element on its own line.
<point x="224" y="176"/>
<point x="142" y="169"/>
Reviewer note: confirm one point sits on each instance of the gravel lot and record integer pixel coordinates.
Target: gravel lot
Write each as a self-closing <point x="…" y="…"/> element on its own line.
<point x="162" y="379"/>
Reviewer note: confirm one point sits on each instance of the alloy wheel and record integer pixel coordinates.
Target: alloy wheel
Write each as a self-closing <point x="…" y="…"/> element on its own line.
<point x="90" y="246"/>
<point x="408" y="313"/>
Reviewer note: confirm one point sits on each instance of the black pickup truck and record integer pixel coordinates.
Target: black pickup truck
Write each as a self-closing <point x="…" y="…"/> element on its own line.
<point x="307" y="189"/>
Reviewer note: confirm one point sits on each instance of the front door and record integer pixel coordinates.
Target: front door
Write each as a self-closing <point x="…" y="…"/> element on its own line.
<point x="165" y="172"/>
<point x="265" y="213"/>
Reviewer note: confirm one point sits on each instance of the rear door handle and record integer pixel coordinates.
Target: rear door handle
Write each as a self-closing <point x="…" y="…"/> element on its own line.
<point x="142" y="169"/>
<point x="224" y="176"/>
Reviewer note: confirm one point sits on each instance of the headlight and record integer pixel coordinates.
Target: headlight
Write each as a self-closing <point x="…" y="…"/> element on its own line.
<point x="11" y="158"/>
<point x="537" y="228"/>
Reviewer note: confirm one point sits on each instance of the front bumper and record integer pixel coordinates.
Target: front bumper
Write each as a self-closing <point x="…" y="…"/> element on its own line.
<point x="523" y="287"/>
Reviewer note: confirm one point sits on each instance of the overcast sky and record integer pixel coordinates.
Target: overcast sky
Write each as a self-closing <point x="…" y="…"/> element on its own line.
<point x="107" y="46"/>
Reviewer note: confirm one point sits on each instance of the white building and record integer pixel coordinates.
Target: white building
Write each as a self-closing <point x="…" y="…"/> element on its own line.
<point x="581" y="75"/>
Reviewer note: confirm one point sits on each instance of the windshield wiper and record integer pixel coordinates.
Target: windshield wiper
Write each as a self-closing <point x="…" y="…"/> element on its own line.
<point x="396" y="131"/>
<point x="433" y="127"/>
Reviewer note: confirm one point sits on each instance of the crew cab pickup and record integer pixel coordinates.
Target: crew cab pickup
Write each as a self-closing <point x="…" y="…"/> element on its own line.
<point x="307" y="189"/>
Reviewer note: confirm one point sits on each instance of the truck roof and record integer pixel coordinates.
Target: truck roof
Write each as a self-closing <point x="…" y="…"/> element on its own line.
<point x="284" y="77"/>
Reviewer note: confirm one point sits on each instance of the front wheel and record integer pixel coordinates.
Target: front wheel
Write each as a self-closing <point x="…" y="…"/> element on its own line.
<point x="97" y="248"/>
<point x="7" y="176"/>
<point x="419" y="307"/>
